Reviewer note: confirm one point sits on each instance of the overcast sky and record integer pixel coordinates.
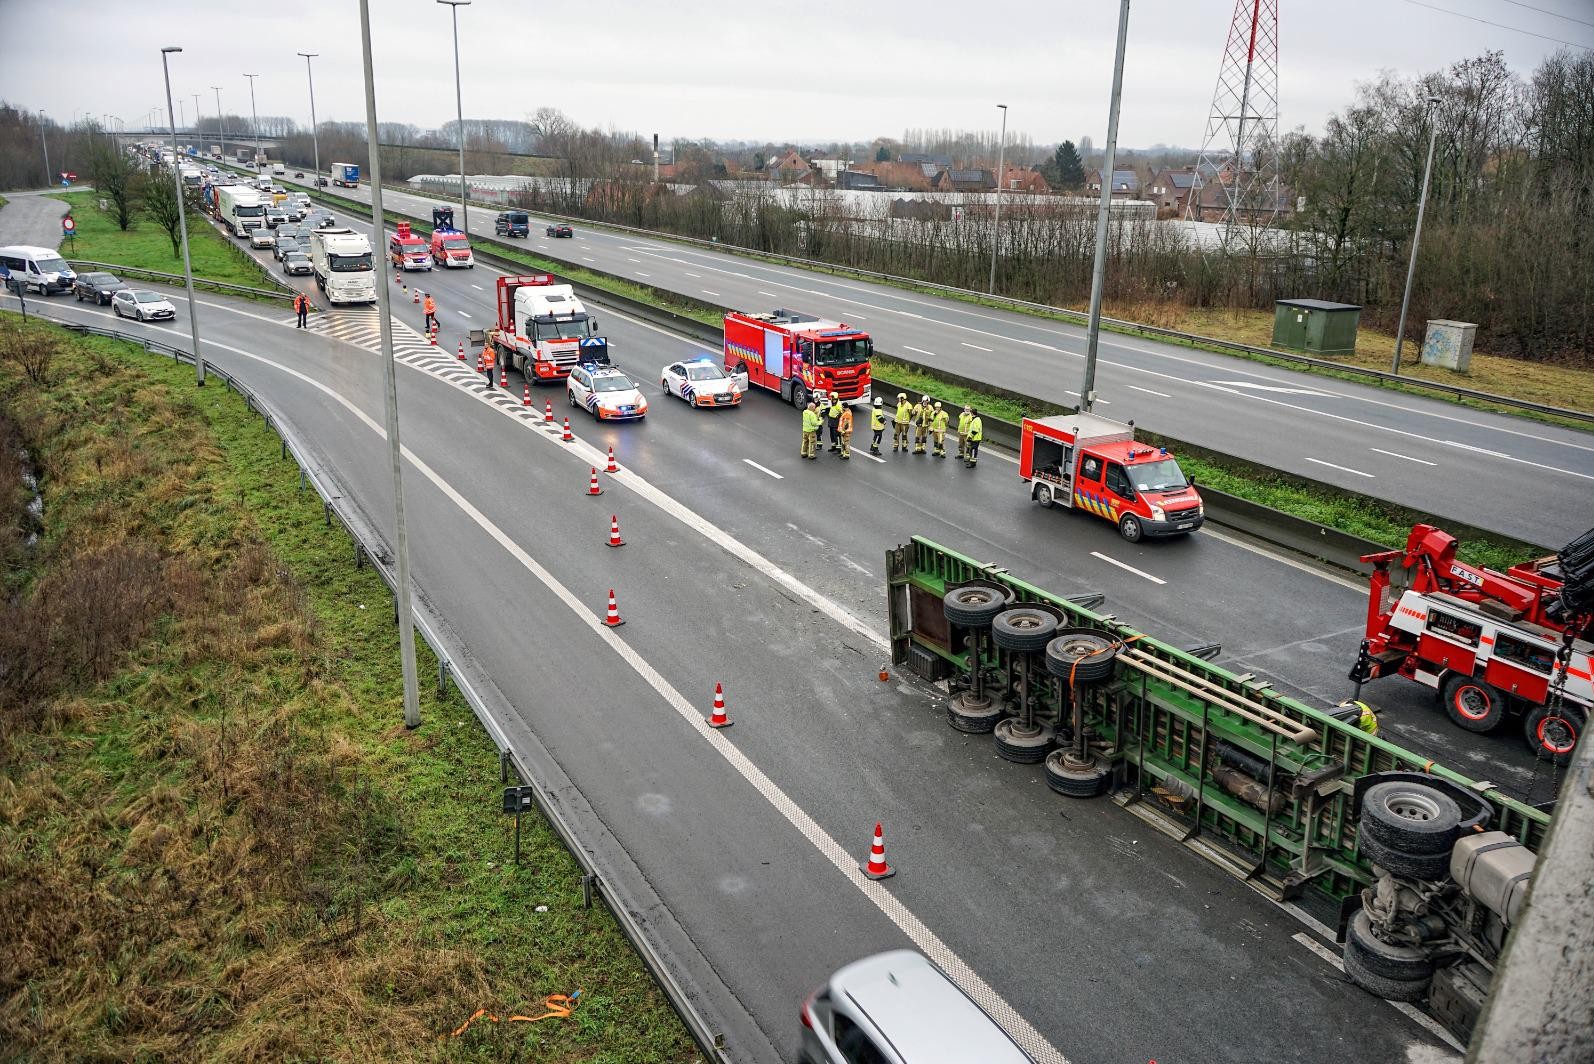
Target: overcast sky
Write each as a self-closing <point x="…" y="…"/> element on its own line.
<point x="812" y="72"/>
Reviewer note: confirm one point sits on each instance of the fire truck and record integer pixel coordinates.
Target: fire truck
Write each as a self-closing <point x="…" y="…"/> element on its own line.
<point x="1493" y="645"/>
<point x="1090" y="463"/>
<point x="543" y="330"/>
<point x="408" y="251"/>
<point x="798" y="355"/>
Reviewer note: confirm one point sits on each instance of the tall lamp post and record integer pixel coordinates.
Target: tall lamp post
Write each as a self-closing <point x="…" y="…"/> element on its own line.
<point x="221" y="121"/>
<point x="1087" y="394"/>
<point x="182" y="220"/>
<point x="197" y="134"/>
<point x="315" y="133"/>
<point x="406" y="618"/>
<point x="44" y="142"/>
<point x="996" y="221"/>
<point x="254" y="117"/>
<point x="1416" y="236"/>
<point x="459" y="111"/>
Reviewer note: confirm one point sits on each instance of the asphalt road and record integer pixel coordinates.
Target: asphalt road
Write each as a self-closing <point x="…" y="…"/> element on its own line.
<point x="31" y="218"/>
<point x="1517" y="477"/>
<point x="1110" y="941"/>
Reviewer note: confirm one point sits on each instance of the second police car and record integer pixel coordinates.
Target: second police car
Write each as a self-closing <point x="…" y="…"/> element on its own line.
<point x="605" y="392"/>
<point x="703" y="382"/>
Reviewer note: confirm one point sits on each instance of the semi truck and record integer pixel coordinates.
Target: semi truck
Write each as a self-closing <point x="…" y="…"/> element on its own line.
<point x="1090" y="463"/>
<point x="798" y="355"/>
<point x="240" y="209"/>
<point x="343" y="267"/>
<point x="543" y="330"/>
<point x="215" y="151"/>
<point x="345" y="175"/>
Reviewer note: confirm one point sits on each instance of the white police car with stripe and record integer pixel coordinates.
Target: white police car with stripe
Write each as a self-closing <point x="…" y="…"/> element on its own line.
<point x="703" y="382"/>
<point x="605" y="392"/>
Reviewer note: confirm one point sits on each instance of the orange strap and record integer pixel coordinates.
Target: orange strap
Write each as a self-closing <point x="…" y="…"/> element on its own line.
<point x="556" y="1006"/>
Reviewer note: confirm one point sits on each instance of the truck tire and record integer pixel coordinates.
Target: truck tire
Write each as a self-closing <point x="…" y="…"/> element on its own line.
<point x="1472" y="704"/>
<point x="972" y="721"/>
<point x="1083" y="654"/>
<point x="974" y="605"/>
<point x="1129" y="527"/>
<point x="1023" y="630"/>
<point x="1397" y="862"/>
<point x="1381" y="985"/>
<point x="1405" y="963"/>
<point x="1410" y="817"/>
<point x="1075" y="781"/>
<point x="1553" y="736"/>
<point x="799" y="394"/>
<point x="1043" y="496"/>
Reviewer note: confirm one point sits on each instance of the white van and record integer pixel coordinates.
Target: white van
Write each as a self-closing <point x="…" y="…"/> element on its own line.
<point x="41" y="269"/>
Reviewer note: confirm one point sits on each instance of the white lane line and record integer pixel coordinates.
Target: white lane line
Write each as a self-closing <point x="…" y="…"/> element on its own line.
<point x="865" y="454"/>
<point x="1262" y="551"/>
<point x="1421" y="1019"/>
<point x="1342" y="469"/>
<point x="1407" y="457"/>
<point x="478" y="287"/>
<point x="706" y="292"/>
<point x="1148" y="391"/>
<point x="1475" y="450"/>
<point x="628" y="259"/>
<point x="918" y="350"/>
<point x="761" y="292"/>
<point x="586" y="259"/>
<point x="977" y="347"/>
<point x="641" y="274"/>
<point x="689" y="273"/>
<point x="1127" y="568"/>
<point x="461" y="313"/>
<point x="763" y="469"/>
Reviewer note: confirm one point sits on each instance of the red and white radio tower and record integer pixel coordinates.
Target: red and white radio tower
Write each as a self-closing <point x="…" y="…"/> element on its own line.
<point x="1237" y="172"/>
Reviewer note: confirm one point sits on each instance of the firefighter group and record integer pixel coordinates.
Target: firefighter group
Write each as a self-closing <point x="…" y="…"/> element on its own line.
<point x="927" y="420"/>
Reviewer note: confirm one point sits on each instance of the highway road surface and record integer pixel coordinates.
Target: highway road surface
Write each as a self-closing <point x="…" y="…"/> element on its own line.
<point x="1089" y="936"/>
<point x="31" y="218"/>
<point x="1507" y="474"/>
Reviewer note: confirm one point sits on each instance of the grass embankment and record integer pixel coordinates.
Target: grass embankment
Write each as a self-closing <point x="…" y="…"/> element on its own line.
<point x="217" y="840"/>
<point x="146" y="246"/>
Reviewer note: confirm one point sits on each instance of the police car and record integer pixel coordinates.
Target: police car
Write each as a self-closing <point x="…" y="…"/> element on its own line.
<point x="605" y="392"/>
<point x="703" y="382"/>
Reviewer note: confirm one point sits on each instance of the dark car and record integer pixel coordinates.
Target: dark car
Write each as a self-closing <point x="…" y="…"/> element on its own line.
<point x="284" y="246"/>
<point x="561" y="230"/>
<point x="512" y="223"/>
<point x="321" y="182"/>
<point x="298" y="173"/>
<point x="296" y="262"/>
<point x="99" y="287"/>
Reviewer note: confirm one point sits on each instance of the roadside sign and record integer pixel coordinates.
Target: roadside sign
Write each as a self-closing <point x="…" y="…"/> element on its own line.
<point x="519" y="800"/>
<point x="68" y="226"/>
<point x="105" y="204"/>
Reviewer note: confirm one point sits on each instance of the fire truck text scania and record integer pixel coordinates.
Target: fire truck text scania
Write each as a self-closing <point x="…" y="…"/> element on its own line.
<point x="798" y="356"/>
<point x="1493" y="645"/>
<point x="543" y="330"/>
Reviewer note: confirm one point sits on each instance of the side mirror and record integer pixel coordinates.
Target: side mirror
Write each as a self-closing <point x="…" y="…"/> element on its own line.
<point x="594" y="323"/>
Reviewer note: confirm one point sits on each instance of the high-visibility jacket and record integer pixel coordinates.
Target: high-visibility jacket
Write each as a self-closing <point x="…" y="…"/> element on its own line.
<point x="300" y="302"/>
<point x="877" y="419"/>
<point x="489" y="356"/>
<point x="921" y="414"/>
<point x="844" y="425"/>
<point x="835" y="410"/>
<point x="976" y="429"/>
<point x="430" y="305"/>
<point x="904" y="412"/>
<point x="963" y="423"/>
<point x="810" y="420"/>
<point x="938" y="421"/>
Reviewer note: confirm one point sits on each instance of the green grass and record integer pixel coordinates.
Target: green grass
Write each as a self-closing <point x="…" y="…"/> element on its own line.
<point x="3" y="201"/>
<point x="145" y="246"/>
<point x="238" y="849"/>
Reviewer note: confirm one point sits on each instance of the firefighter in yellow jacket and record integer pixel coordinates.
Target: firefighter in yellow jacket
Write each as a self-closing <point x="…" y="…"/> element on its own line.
<point x="899" y="426"/>
<point x="938" y="430"/>
<point x="963" y="431"/>
<point x="877" y="423"/>
<point x="921" y="423"/>
<point x="811" y="423"/>
<point x="976" y="434"/>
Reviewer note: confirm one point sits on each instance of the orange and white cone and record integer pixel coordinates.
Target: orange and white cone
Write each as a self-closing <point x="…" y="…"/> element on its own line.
<point x="718" y="719"/>
<point x="547" y="413"/>
<point x="593" y="489"/>
<point x="431" y="337"/>
<point x="525" y="395"/>
<point x="613" y="619"/>
<point x="416" y="296"/>
<point x="462" y="350"/>
<point x="613" y="466"/>
<point x="877" y="867"/>
<point x="503" y="377"/>
<point x="481" y="366"/>
<point x="568" y="437"/>
<point x="614" y="530"/>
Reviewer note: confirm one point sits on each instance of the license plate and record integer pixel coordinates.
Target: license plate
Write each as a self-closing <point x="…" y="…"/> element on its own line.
<point x="1184" y="526"/>
<point x="628" y="410"/>
<point x="723" y="397"/>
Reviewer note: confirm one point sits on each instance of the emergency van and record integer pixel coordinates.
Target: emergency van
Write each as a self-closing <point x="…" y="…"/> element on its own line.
<point x="408" y="251"/>
<point x="451" y="250"/>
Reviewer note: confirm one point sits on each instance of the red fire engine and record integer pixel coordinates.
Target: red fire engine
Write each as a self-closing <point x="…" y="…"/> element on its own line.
<point x="797" y="355"/>
<point x="1492" y="644"/>
<point x="408" y="251"/>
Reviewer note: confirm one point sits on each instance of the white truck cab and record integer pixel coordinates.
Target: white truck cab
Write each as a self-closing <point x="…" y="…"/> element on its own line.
<point x="341" y="260"/>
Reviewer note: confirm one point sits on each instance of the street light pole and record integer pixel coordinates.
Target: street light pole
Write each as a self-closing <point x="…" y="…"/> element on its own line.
<point x="315" y="133"/>
<point x="44" y="142"/>
<point x="254" y="117"/>
<point x="221" y="122"/>
<point x="1087" y="395"/>
<point x="996" y="222"/>
<point x="197" y="134"/>
<point x="406" y="626"/>
<point x="182" y="222"/>
<point x="1416" y="236"/>
<point x="182" y="119"/>
<point x="459" y="111"/>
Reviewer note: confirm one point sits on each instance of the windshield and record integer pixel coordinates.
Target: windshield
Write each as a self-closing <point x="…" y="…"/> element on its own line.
<point x="349" y="263"/>
<point x="704" y="373"/>
<point x="842" y="352"/>
<point x="52" y="265"/>
<point x="243" y="211"/>
<point x="515" y="217"/>
<point x="100" y="278"/>
<point x="149" y="297"/>
<point x="613" y="384"/>
<point x="296" y="257"/>
<point x="576" y="329"/>
<point x="1158" y="476"/>
<point x="456" y="243"/>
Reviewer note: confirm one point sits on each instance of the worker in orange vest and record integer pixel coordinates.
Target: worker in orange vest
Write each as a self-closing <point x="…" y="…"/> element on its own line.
<point x="301" y="307"/>
<point x="430" y="306"/>
<point x="489" y="356"/>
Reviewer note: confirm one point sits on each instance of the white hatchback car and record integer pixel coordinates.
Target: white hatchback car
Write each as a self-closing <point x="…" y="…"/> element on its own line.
<point x="606" y="393"/>
<point x="142" y="306"/>
<point x="703" y="382"/>
<point x="262" y="238"/>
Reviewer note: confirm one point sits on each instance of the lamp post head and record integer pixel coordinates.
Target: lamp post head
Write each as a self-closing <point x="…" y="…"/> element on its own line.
<point x="171" y="48"/>
<point x="1002" y="106"/>
<point x="309" y="55"/>
<point x="455" y="3"/>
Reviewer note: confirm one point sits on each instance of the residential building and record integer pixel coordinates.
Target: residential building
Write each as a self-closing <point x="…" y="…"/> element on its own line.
<point x="1024" y="179"/>
<point x="1125" y="183"/>
<point x="1170" y="189"/>
<point x="929" y="165"/>
<point x="789" y="166"/>
<point x="964" y="181"/>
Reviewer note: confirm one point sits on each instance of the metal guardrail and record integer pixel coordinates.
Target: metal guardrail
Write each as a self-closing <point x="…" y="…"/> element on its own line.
<point x="337" y="503"/>
<point x="139" y="273"/>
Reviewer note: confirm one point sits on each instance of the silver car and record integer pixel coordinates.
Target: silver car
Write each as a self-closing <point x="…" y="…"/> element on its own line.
<point x="899" y="1008"/>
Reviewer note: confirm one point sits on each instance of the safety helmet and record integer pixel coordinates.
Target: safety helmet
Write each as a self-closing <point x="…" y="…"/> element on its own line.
<point x="924" y="399"/>
<point x="901" y="396"/>
<point x="967" y="408"/>
<point x="879" y="401"/>
<point x="938" y="406"/>
<point x="835" y="395"/>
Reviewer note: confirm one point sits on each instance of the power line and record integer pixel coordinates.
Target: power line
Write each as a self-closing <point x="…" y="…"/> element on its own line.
<point x="1500" y="25"/>
<point x="1552" y="14"/>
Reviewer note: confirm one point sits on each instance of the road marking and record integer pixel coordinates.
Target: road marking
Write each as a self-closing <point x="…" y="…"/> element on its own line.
<point x="1474" y="450"/>
<point x="1127" y="568"/>
<point x="918" y="351"/>
<point x="1407" y="457"/>
<point x="478" y="287"/>
<point x="1421" y="1019"/>
<point x="641" y="274"/>
<point x="461" y="313"/>
<point x="585" y="259"/>
<point x="1272" y="388"/>
<point x="763" y="469"/>
<point x="1148" y="391"/>
<point x="761" y="292"/>
<point x="865" y="454"/>
<point x="706" y="292"/>
<point x="976" y="347"/>
<point x="1341" y="468"/>
<point x="689" y="273"/>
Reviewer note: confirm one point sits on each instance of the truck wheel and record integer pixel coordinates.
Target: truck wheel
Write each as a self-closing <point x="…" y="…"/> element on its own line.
<point x="1129" y="528"/>
<point x="1043" y="496"/>
<point x="799" y="395"/>
<point x="1083" y="654"/>
<point x="1406" y="963"/>
<point x="1473" y="704"/>
<point x="1381" y="985"/>
<point x="1553" y="736"/>
<point x="974" y="605"/>
<point x="973" y="720"/>
<point x="1023" y="630"/>
<point x="1397" y="862"/>
<point x="1410" y="817"/>
<point x="1075" y="779"/>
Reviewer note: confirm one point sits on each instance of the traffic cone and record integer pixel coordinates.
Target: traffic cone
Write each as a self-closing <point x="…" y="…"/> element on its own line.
<point x="503" y="377"/>
<point x="718" y="719"/>
<point x="431" y="337"/>
<point x="613" y="619"/>
<point x="877" y="867"/>
<point x="416" y="296"/>
<point x="593" y="488"/>
<point x="525" y="395"/>
<point x="462" y="350"/>
<point x="481" y="367"/>
<point x="547" y="413"/>
<point x="614" y="528"/>
<point x="613" y="466"/>
<point x="568" y="437"/>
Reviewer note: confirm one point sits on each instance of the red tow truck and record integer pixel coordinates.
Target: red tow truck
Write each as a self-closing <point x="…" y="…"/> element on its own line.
<point x="1091" y="463"/>
<point x="1493" y="645"/>
<point x="543" y="330"/>
<point x="798" y="355"/>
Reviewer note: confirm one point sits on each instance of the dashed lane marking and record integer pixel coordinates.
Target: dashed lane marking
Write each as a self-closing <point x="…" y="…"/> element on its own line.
<point x="706" y="292"/>
<point x="1126" y="567"/>
<point x="1148" y="391"/>
<point x="461" y="313"/>
<point x="763" y="469"/>
<point x="918" y="351"/>
<point x="1342" y="469"/>
<point x="976" y="347"/>
<point x="1407" y="457"/>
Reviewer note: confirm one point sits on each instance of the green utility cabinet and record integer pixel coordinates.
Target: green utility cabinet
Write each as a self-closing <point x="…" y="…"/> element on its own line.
<point x="1316" y="325"/>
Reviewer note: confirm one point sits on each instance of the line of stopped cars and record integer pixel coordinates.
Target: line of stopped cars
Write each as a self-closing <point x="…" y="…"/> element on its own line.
<point x="608" y="393"/>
